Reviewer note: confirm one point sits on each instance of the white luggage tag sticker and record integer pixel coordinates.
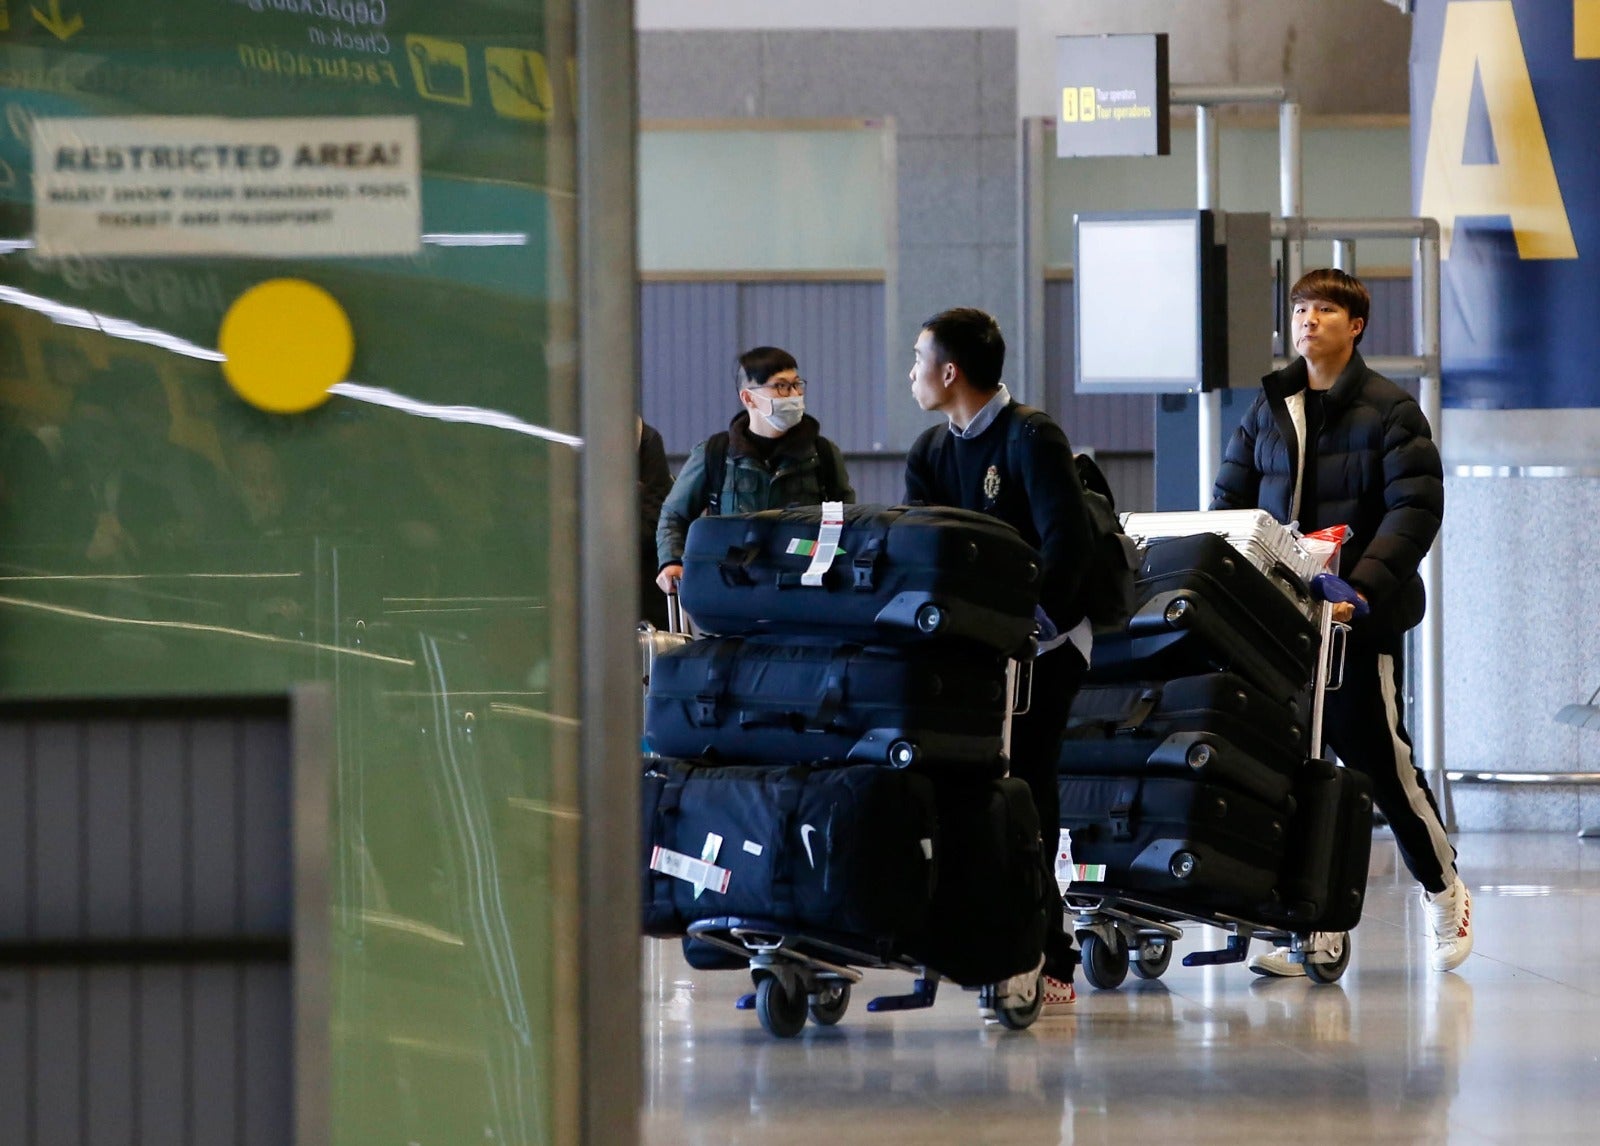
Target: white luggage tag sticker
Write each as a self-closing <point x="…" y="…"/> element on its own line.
<point x="708" y="856"/>
<point x="690" y="870"/>
<point x="1064" y="861"/>
<point x="753" y="848"/>
<point x="827" y="543"/>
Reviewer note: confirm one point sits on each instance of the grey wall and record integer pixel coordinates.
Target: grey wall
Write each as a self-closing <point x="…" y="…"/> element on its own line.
<point x="953" y="95"/>
<point x="145" y="899"/>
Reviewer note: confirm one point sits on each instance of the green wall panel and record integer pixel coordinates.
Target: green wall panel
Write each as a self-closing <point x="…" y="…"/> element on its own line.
<point x="159" y="535"/>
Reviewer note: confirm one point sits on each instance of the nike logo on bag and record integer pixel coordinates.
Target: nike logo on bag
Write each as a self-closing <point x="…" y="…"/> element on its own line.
<point x="805" y="838"/>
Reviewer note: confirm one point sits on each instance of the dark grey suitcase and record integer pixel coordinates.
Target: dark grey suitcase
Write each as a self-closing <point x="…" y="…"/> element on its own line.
<point x="781" y="700"/>
<point x="1203" y="607"/>
<point x="902" y="574"/>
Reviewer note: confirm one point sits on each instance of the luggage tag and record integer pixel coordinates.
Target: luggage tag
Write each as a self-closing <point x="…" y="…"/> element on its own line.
<point x="703" y="875"/>
<point x="827" y="544"/>
<point x="708" y="856"/>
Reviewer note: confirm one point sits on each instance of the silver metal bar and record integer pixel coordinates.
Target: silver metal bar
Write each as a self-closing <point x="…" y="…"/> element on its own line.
<point x="1319" y="686"/>
<point x="1203" y="95"/>
<point x="1431" y="699"/>
<point x="1344" y="255"/>
<point x="1491" y="471"/>
<point x="1031" y="243"/>
<point x="1208" y="182"/>
<point x="1291" y="205"/>
<point x="1534" y="778"/>
<point x="609" y="1034"/>
<point x="1389" y="365"/>
<point x="312" y="748"/>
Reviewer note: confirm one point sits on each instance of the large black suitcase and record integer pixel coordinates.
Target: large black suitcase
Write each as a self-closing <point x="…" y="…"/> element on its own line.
<point x="847" y="851"/>
<point x="775" y="700"/>
<point x="986" y="922"/>
<point x="1203" y="607"/>
<point x="1196" y="847"/>
<point x="899" y="574"/>
<point x="1324" y="882"/>
<point x="1216" y="727"/>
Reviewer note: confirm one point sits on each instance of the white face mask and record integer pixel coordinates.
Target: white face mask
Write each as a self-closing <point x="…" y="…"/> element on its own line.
<point x="784" y="414"/>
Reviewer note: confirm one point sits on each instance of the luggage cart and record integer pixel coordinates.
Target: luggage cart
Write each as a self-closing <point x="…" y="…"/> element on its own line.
<point x="1121" y="933"/>
<point x="812" y="975"/>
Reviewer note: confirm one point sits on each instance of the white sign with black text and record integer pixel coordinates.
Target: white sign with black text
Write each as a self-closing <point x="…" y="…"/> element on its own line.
<point x="202" y="186"/>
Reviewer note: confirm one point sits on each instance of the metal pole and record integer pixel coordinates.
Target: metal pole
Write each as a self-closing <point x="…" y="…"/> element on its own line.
<point x="1208" y="179"/>
<point x="1290" y="201"/>
<point x="1031" y="241"/>
<point x="609" y="1035"/>
<point x="1431" y="702"/>
<point x="1344" y="255"/>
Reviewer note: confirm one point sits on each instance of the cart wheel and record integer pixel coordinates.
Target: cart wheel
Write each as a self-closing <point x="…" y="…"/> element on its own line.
<point x="1153" y="959"/>
<point x="1105" y="965"/>
<point x="830" y="1002"/>
<point x="783" y="1014"/>
<point x="1020" y="1016"/>
<point x="1331" y="972"/>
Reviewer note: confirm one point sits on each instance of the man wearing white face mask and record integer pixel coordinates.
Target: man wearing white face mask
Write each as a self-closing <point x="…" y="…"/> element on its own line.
<point x="771" y="456"/>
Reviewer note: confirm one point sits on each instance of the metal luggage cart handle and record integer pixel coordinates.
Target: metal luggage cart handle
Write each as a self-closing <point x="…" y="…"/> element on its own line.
<point x="1339" y="636"/>
<point x="1020" y="674"/>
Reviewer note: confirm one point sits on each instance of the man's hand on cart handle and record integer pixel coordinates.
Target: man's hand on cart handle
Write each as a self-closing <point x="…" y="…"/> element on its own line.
<point x="1346" y="599"/>
<point x="667" y="580"/>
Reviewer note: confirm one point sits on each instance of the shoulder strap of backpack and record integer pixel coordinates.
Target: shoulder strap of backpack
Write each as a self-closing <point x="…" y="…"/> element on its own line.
<point x="1023" y="420"/>
<point x="716" y="470"/>
<point x="828" y="476"/>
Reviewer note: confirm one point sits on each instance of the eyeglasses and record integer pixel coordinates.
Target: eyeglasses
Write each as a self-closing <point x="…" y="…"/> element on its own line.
<point x="784" y="387"/>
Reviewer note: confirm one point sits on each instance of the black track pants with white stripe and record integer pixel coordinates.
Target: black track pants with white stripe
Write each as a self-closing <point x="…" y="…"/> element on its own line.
<point x="1364" y="724"/>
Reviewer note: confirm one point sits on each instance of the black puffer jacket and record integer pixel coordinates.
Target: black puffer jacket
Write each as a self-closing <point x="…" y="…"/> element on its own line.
<point x="1377" y="470"/>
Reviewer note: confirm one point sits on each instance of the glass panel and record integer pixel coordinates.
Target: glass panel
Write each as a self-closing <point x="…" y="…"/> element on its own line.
<point x="412" y="541"/>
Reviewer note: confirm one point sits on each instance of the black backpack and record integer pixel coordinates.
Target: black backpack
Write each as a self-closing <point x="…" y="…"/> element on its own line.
<point x="1108" y="584"/>
<point x="828" y="476"/>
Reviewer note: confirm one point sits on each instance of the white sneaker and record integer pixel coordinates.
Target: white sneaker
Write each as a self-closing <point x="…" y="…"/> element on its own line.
<point x="1323" y="947"/>
<point x="1450" y="920"/>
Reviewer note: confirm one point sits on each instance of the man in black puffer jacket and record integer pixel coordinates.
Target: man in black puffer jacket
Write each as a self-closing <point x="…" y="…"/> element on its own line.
<point x="1329" y="441"/>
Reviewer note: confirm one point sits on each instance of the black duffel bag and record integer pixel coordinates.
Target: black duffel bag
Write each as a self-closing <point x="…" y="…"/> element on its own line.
<point x="845" y="852"/>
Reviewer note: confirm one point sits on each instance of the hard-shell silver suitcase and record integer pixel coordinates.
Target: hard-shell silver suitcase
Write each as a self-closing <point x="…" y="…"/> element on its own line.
<point x="653" y="641"/>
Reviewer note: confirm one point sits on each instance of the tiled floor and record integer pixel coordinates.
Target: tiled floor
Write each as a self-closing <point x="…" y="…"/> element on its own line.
<point x="1505" y="1050"/>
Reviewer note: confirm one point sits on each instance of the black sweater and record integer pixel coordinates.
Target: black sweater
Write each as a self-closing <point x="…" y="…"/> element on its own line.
<point x="1375" y="469"/>
<point x="1036" y="491"/>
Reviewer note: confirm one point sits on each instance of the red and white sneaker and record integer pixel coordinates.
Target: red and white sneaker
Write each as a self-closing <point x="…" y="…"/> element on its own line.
<point x="1058" y="997"/>
<point x="1450" y="921"/>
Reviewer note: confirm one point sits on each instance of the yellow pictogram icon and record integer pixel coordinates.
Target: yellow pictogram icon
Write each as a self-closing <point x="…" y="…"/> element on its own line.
<point x="1069" y="105"/>
<point x="287" y="341"/>
<point x="519" y="84"/>
<point x="62" y="28"/>
<point x="440" y="69"/>
<point x="1086" y="104"/>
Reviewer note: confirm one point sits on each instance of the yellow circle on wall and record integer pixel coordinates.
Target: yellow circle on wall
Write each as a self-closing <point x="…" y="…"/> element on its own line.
<point x="286" y="341"/>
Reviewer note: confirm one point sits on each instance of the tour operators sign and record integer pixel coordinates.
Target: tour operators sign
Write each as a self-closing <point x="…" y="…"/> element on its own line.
<point x="209" y="186"/>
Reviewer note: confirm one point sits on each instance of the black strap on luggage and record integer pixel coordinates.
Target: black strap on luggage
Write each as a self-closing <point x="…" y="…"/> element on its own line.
<point x="791" y="787"/>
<point x="719" y="674"/>
<point x="671" y="799"/>
<point x="1121" y="810"/>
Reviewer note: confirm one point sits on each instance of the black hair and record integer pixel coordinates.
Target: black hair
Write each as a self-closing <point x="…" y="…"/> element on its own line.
<point x="971" y="339"/>
<point x="762" y="362"/>
<point x="1329" y="284"/>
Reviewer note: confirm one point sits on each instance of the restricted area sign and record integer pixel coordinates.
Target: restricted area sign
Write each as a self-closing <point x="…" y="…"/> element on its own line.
<point x="209" y="186"/>
<point x="1113" y="94"/>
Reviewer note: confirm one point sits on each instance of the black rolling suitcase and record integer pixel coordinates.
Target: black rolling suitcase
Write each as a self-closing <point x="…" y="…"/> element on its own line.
<point x="842" y="851"/>
<point x="1214" y="727"/>
<point x="900" y="574"/>
<point x="986" y="921"/>
<point x="781" y="700"/>
<point x="1195" y="847"/>
<point x="1324" y="881"/>
<point x="1204" y="607"/>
